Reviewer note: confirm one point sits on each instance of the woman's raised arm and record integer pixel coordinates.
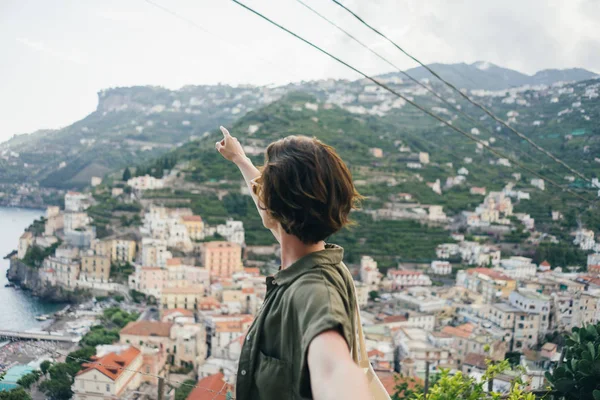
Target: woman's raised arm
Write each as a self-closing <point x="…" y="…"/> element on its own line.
<point x="231" y="149"/>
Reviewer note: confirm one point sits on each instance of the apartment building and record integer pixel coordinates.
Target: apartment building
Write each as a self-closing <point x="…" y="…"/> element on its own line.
<point x="222" y="259"/>
<point x="94" y="268"/>
<point x="123" y="251"/>
<point x="187" y="298"/>
<point x="109" y="375"/>
<point x="489" y="283"/>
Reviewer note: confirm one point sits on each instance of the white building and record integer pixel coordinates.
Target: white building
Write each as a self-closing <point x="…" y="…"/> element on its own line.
<point x="154" y="252"/>
<point x="369" y="273"/>
<point x="109" y="375"/>
<point x="538" y="183"/>
<point x="534" y="303"/>
<point x="584" y="238"/>
<point x="146" y="182"/>
<point x="75" y="220"/>
<point x="436" y="213"/>
<point x="232" y="231"/>
<point x="441" y="267"/>
<point x="518" y="267"/>
<point x="405" y="278"/>
<point x="77" y="202"/>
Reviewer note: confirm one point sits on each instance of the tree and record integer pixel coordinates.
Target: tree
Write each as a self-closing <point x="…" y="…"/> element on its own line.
<point x="579" y="375"/>
<point x="460" y="386"/>
<point x="405" y="388"/>
<point x="16" y="394"/>
<point x="183" y="391"/>
<point x="126" y="174"/>
<point x="373" y="294"/>
<point x="29" y="379"/>
<point x="45" y="366"/>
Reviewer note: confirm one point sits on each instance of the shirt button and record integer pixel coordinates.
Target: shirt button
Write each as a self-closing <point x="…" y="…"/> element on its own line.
<point x="243" y="372"/>
<point x="248" y="337"/>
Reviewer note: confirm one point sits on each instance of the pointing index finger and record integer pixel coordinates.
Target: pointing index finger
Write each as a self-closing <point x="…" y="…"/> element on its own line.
<point x="225" y="132"/>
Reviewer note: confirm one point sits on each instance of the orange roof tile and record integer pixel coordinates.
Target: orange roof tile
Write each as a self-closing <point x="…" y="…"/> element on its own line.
<point x="391" y="379"/>
<point x="404" y="272"/>
<point x="476" y="360"/>
<point x="375" y="353"/>
<point x="195" y="289"/>
<point x="394" y="318"/>
<point x="454" y="331"/>
<point x="112" y="363"/>
<point x="192" y="218"/>
<point x="212" y="387"/>
<point x="147" y="328"/>
<point x="252" y="271"/>
<point x="183" y="311"/>
<point x="545" y="264"/>
<point x="173" y="261"/>
<point x="228" y="326"/>
<point x="490" y="272"/>
<point x="248" y="290"/>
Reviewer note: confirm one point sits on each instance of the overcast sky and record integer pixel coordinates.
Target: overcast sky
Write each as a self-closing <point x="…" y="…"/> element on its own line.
<point x="56" y="55"/>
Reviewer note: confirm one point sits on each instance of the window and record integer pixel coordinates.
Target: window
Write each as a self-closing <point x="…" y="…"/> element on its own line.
<point x="107" y="387"/>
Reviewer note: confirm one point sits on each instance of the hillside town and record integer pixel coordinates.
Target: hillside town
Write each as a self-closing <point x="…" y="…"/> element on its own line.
<point x="190" y="291"/>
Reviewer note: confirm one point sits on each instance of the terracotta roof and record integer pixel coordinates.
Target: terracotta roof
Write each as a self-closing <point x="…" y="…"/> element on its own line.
<point x="112" y="363"/>
<point x="147" y="328"/>
<point x="391" y="379"/>
<point x="212" y="387"/>
<point x="218" y="244"/>
<point x="248" y="290"/>
<point x="476" y="360"/>
<point x="454" y="331"/>
<point x="192" y="218"/>
<point x="195" y="289"/>
<point x="208" y="303"/>
<point x="404" y="272"/>
<point x="394" y="318"/>
<point x="375" y="353"/>
<point x="549" y="346"/>
<point x="182" y="311"/>
<point x="491" y="273"/>
<point x="229" y="326"/>
<point x="174" y="261"/>
<point x="545" y="264"/>
<point x="252" y="271"/>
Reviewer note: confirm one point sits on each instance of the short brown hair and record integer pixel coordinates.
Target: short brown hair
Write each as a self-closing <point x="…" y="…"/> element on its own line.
<point x="306" y="187"/>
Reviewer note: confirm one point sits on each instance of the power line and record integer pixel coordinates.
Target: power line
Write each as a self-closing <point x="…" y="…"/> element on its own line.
<point x="430" y="90"/>
<point x="424" y="110"/>
<point x="81" y="360"/>
<point x="476" y="104"/>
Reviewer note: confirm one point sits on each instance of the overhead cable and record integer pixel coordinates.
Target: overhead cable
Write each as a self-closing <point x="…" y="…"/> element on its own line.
<point x="424" y="110"/>
<point x="465" y="96"/>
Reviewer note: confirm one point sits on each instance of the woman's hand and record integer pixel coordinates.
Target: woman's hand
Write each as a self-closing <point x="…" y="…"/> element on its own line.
<point x="230" y="147"/>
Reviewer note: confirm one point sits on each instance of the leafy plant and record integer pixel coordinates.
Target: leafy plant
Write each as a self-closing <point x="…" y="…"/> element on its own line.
<point x="579" y="375"/>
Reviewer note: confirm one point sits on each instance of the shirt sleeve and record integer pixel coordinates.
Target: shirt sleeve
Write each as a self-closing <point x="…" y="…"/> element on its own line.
<point x="319" y="306"/>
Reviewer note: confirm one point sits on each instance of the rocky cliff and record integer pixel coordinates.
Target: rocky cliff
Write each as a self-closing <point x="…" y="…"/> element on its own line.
<point x="28" y="278"/>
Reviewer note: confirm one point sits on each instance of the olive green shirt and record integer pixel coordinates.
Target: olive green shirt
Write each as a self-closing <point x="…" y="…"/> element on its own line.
<point x="313" y="295"/>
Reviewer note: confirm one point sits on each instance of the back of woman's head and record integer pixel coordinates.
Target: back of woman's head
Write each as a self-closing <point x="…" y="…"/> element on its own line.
<point x="306" y="187"/>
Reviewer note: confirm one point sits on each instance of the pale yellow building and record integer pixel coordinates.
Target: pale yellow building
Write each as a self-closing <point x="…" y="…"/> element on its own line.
<point x="194" y="226"/>
<point x="123" y="251"/>
<point x="95" y="268"/>
<point x="182" y="297"/>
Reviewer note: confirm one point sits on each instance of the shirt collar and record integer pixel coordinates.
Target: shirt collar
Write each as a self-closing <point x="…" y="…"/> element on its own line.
<point x="332" y="254"/>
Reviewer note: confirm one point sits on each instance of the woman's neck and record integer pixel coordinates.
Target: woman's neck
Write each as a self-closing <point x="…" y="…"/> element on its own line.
<point x="293" y="249"/>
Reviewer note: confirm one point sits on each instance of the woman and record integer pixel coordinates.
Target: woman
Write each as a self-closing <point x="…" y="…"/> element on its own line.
<point x="299" y="344"/>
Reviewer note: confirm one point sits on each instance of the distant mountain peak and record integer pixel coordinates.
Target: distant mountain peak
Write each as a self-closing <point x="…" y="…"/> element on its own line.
<point x="483" y="65"/>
